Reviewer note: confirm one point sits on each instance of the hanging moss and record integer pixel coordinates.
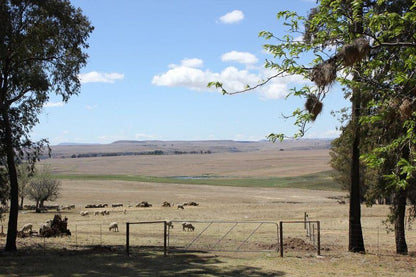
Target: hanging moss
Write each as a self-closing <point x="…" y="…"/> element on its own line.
<point x="406" y="109"/>
<point x="324" y="74"/>
<point x="355" y="52"/>
<point x="313" y="106"/>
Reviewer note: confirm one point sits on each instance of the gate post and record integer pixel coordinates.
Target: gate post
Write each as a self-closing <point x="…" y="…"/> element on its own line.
<point x="281" y="238"/>
<point x="319" y="238"/>
<point x="165" y="234"/>
<point x="128" y="239"/>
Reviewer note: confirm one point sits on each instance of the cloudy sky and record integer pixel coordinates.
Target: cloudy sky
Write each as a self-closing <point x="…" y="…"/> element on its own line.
<point x="149" y="65"/>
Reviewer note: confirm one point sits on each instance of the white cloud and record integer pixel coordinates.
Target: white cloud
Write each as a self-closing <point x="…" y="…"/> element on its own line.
<point x="232" y="17"/>
<point x="54" y="104"/>
<point x="182" y="76"/>
<point x="197" y="79"/>
<point x="275" y="90"/>
<point x="99" y="77"/>
<point x="240" y="57"/>
<point x="234" y="79"/>
<point x="194" y="63"/>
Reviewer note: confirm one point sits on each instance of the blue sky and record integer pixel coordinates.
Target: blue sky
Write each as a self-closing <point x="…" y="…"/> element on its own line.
<point x="149" y="63"/>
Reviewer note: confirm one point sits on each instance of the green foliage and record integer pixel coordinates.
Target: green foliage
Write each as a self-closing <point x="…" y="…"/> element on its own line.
<point x="42" y="49"/>
<point x="373" y="42"/>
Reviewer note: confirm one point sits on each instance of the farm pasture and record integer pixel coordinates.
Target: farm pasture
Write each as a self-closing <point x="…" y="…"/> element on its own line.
<point x="241" y="164"/>
<point x="98" y="252"/>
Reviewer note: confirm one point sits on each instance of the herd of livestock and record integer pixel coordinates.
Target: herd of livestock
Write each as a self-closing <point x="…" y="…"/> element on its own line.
<point x="58" y="226"/>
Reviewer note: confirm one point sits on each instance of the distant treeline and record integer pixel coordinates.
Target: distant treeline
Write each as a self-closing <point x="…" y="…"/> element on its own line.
<point x="154" y="152"/>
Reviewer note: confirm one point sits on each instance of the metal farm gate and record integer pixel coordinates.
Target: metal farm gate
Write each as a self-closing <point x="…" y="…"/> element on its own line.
<point x="223" y="236"/>
<point x="218" y="236"/>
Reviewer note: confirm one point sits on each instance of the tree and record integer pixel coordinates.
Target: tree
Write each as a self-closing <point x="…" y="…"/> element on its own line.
<point x="43" y="188"/>
<point x="332" y="25"/>
<point x="42" y="47"/>
<point x="341" y="160"/>
<point x="390" y="77"/>
<point x="24" y="174"/>
<point x="354" y="37"/>
<point x="4" y="193"/>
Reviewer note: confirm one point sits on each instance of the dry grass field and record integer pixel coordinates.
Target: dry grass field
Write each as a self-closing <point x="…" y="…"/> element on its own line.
<point x="242" y="164"/>
<point x="93" y="250"/>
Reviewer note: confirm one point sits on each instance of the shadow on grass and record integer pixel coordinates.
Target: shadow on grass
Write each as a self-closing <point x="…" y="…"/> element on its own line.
<point x="113" y="261"/>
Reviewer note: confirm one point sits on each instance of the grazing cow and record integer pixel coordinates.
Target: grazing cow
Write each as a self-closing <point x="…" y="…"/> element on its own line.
<point x="166" y="204"/>
<point x="187" y="227"/>
<point x="113" y="226"/>
<point x="84" y="213"/>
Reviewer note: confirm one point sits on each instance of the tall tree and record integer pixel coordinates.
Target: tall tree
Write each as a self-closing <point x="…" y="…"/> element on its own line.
<point x="340" y="153"/>
<point x="390" y="77"/>
<point x="348" y="36"/>
<point x="42" y="48"/>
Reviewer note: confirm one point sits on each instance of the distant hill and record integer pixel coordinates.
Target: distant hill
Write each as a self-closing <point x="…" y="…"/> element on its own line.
<point x="157" y="147"/>
<point x="75" y="143"/>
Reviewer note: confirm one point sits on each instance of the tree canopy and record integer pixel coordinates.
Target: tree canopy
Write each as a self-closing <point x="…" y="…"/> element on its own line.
<point x="43" y="187"/>
<point x="369" y="48"/>
<point x="42" y="49"/>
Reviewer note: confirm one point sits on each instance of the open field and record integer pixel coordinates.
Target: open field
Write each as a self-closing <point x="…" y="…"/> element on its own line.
<point x="258" y="164"/>
<point x="216" y="203"/>
<point x="231" y="202"/>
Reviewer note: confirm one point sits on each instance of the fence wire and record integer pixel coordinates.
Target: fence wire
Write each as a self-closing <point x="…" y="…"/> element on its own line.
<point x="221" y="237"/>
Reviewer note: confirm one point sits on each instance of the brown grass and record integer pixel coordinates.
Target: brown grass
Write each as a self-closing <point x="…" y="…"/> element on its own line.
<point x="60" y="257"/>
<point x="246" y="164"/>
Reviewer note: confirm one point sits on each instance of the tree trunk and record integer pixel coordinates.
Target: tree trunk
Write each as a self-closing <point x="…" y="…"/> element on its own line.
<point x="14" y="189"/>
<point x="399" y="209"/>
<point x="356" y="241"/>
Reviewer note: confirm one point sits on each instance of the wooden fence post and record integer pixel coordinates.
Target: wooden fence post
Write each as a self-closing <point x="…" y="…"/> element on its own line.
<point x="128" y="238"/>
<point x="319" y="238"/>
<point x="165" y="239"/>
<point x="281" y="238"/>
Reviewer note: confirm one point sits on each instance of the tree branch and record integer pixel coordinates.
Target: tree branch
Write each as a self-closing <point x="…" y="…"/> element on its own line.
<point x="18" y="97"/>
<point x="258" y="85"/>
<point x="393" y="44"/>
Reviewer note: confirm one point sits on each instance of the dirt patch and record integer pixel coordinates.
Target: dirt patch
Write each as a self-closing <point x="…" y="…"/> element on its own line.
<point x="298" y="244"/>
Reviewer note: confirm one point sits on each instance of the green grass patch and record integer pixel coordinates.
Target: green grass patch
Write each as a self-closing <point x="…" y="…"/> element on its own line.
<point x="316" y="181"/>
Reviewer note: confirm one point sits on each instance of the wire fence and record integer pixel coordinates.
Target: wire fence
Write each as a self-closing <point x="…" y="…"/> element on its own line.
<point x="225" y="236"/>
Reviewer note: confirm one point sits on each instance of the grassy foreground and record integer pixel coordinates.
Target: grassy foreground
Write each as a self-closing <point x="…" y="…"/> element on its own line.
<point x="114" y="262"/>
<point x="316" y="181"/>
